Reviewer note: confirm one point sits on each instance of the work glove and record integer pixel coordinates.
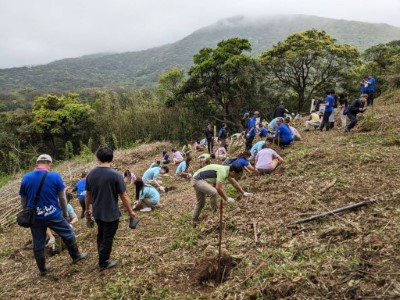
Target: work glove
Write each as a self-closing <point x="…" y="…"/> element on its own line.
<point x="230" y="200"/>
<point x="246" y="194"/>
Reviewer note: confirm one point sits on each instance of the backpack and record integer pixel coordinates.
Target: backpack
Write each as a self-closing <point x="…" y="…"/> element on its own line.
<point x="222" y="133"/>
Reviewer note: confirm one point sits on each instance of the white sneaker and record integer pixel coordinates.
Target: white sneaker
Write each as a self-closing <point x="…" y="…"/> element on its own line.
<point x="51" y="242"/>
<point x="146" y="209"/>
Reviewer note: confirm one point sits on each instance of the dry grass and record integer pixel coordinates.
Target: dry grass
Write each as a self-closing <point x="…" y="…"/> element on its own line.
<point x="351" y="256"/>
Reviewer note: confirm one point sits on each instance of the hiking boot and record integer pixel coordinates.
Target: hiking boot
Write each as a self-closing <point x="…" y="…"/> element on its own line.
<point x="110" y="264"/>
<point x="74" y="251"/>
<point x="41" y="263"/>
<point x="195" y="223"/>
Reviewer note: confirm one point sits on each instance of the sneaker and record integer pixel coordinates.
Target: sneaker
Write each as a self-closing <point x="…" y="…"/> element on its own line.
<point x="51" y="242"/>
<point x="145" y="209"/>
<point x="110" y="264"/>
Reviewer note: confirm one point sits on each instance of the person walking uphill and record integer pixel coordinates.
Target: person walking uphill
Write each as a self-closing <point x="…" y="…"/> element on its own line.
<point x="329" y="103"/>
<point x="251" y="130"/>
<point x="208" y="181"/>
<point x="210" y="138"/>
<point x="51" y="210"/>
<point x="103" y="185"/>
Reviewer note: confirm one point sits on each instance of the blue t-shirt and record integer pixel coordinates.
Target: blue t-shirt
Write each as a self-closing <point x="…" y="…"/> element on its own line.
<point x="256" y="147"/>
<point x="71" y="211"/>
<point x="284" y="133"/>
<point x="242" y="161"/>
<point x="154" y="164"/>
<point x="371" y="85"/>
<point x="47" y="207"/>
<point x="252" y="124"/>
<point x="81" y="189"/>
<point x="150" y="193"/>
<point x="263" y="132"/>
<point x="329" y="100"/>
<point x="181" y="168"/>
<point x="151" y="173"/>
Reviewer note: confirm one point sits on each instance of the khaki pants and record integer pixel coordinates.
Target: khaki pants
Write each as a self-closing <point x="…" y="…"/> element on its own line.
<point x="203" y="189"/>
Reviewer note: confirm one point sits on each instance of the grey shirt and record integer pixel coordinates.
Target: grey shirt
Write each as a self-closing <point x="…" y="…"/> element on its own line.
<point x="105" y="184"/>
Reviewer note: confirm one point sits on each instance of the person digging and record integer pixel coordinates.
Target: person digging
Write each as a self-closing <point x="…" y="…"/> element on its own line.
<point x="208" y="181"/>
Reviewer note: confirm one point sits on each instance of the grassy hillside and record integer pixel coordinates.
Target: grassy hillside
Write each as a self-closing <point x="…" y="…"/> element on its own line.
<point x="137" y="69"/>
<point x="349" y="256"/>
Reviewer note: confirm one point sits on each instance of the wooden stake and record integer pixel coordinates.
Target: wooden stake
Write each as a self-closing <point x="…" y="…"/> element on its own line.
<point x="255" y="231"/>
<point x="221" y="208"/>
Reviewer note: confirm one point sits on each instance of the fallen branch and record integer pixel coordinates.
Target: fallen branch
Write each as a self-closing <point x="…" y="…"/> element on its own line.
<point x="332" y="212"/>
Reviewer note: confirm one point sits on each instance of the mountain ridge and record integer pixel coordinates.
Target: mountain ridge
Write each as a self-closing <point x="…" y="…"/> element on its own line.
<point x="142" y="68"/>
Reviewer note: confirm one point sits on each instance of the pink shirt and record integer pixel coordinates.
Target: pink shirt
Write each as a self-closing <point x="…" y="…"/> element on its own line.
<point x="264" y="158"/>
<point x="177" y="155"/>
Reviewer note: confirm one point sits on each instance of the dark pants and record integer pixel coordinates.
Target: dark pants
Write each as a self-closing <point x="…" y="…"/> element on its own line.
<point x="210" y="146"/>
<point x="83" y="205"/>
<point x="59" y="226"/>
<point x="325" y="121"/>
<point x="249" y="142"/>
<point x="370" y="100"/>
<point x="282" y="142"/>
<point x="105" y="237"/>
<point x="353" y="121"/>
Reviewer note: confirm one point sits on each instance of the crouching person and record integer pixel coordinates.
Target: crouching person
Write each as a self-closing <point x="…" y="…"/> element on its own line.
<point x="267" y="160"/>
<point x="152" y="174"/>
<point x="51" y="210"/>
<point x="208" y="181"/>
<point x="148" y="197"/>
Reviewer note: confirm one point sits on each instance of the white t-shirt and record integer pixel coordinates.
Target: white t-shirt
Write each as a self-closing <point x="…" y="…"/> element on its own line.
<point x="264" y="158"/>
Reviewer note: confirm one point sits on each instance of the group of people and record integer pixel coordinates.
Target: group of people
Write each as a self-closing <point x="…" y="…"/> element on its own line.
<point x="322" y="113"/>
<point x="98" y="191"/>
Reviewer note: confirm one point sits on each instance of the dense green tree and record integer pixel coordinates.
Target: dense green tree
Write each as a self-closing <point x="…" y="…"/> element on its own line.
<point x="169" y="84"/>
<point x="383" y="61"/>
<point x="307" y="62"/>
<point x="61" y="119"/>
<point x="222" y="80"/>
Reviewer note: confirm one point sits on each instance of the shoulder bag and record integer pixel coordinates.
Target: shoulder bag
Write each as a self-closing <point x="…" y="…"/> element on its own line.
<point x="26" y="217"/>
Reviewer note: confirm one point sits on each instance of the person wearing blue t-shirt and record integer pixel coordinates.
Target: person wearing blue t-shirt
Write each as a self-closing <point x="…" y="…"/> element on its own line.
<point x="256" y="147"/>
<point x="283" y="135"/>
<point x="263" y="131"/>
<point x="146" y="195"/>
<point x="151" y="176"/>
<point x="242" y="159"/>
<point x="251" y="130"/>
<point x="273" y="125"/>
<point x="81" y="192"/>
<point x="183" y="168"/>
<point x="370" y="90"/>
<point x="329" y="102"/>
<point x="50" y="210"/>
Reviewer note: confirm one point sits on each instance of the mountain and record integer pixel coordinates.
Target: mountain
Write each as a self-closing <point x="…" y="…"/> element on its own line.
<point x="142" y="68"/>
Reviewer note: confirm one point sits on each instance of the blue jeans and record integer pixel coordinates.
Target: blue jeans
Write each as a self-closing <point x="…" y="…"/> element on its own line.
<point x="105" y="238"/>
<point x="58" y="225"/>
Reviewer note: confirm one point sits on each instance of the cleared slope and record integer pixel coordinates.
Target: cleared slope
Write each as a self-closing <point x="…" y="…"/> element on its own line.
<point x="348" y="256"/>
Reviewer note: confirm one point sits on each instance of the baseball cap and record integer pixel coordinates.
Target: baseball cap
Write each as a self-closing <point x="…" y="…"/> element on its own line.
<point x="246" y="115"/>
<point x="256" y="113"/>
<point x="44" y="157"/>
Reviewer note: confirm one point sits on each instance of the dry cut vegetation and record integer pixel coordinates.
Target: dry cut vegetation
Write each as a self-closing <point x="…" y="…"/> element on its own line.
<point x="349" y="256"/>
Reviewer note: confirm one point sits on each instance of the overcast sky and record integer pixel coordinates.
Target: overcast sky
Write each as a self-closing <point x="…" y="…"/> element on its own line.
<point x="40" y="31"/>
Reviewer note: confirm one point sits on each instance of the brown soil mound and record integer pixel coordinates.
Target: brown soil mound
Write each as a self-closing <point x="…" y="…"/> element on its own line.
<point x="213" y="270"/>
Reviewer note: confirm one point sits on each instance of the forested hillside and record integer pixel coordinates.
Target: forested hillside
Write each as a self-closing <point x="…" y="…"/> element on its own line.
<point x="138" y="69"/>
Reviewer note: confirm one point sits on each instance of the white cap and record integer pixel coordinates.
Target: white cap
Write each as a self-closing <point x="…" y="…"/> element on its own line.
<point x="44" y="157"/>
